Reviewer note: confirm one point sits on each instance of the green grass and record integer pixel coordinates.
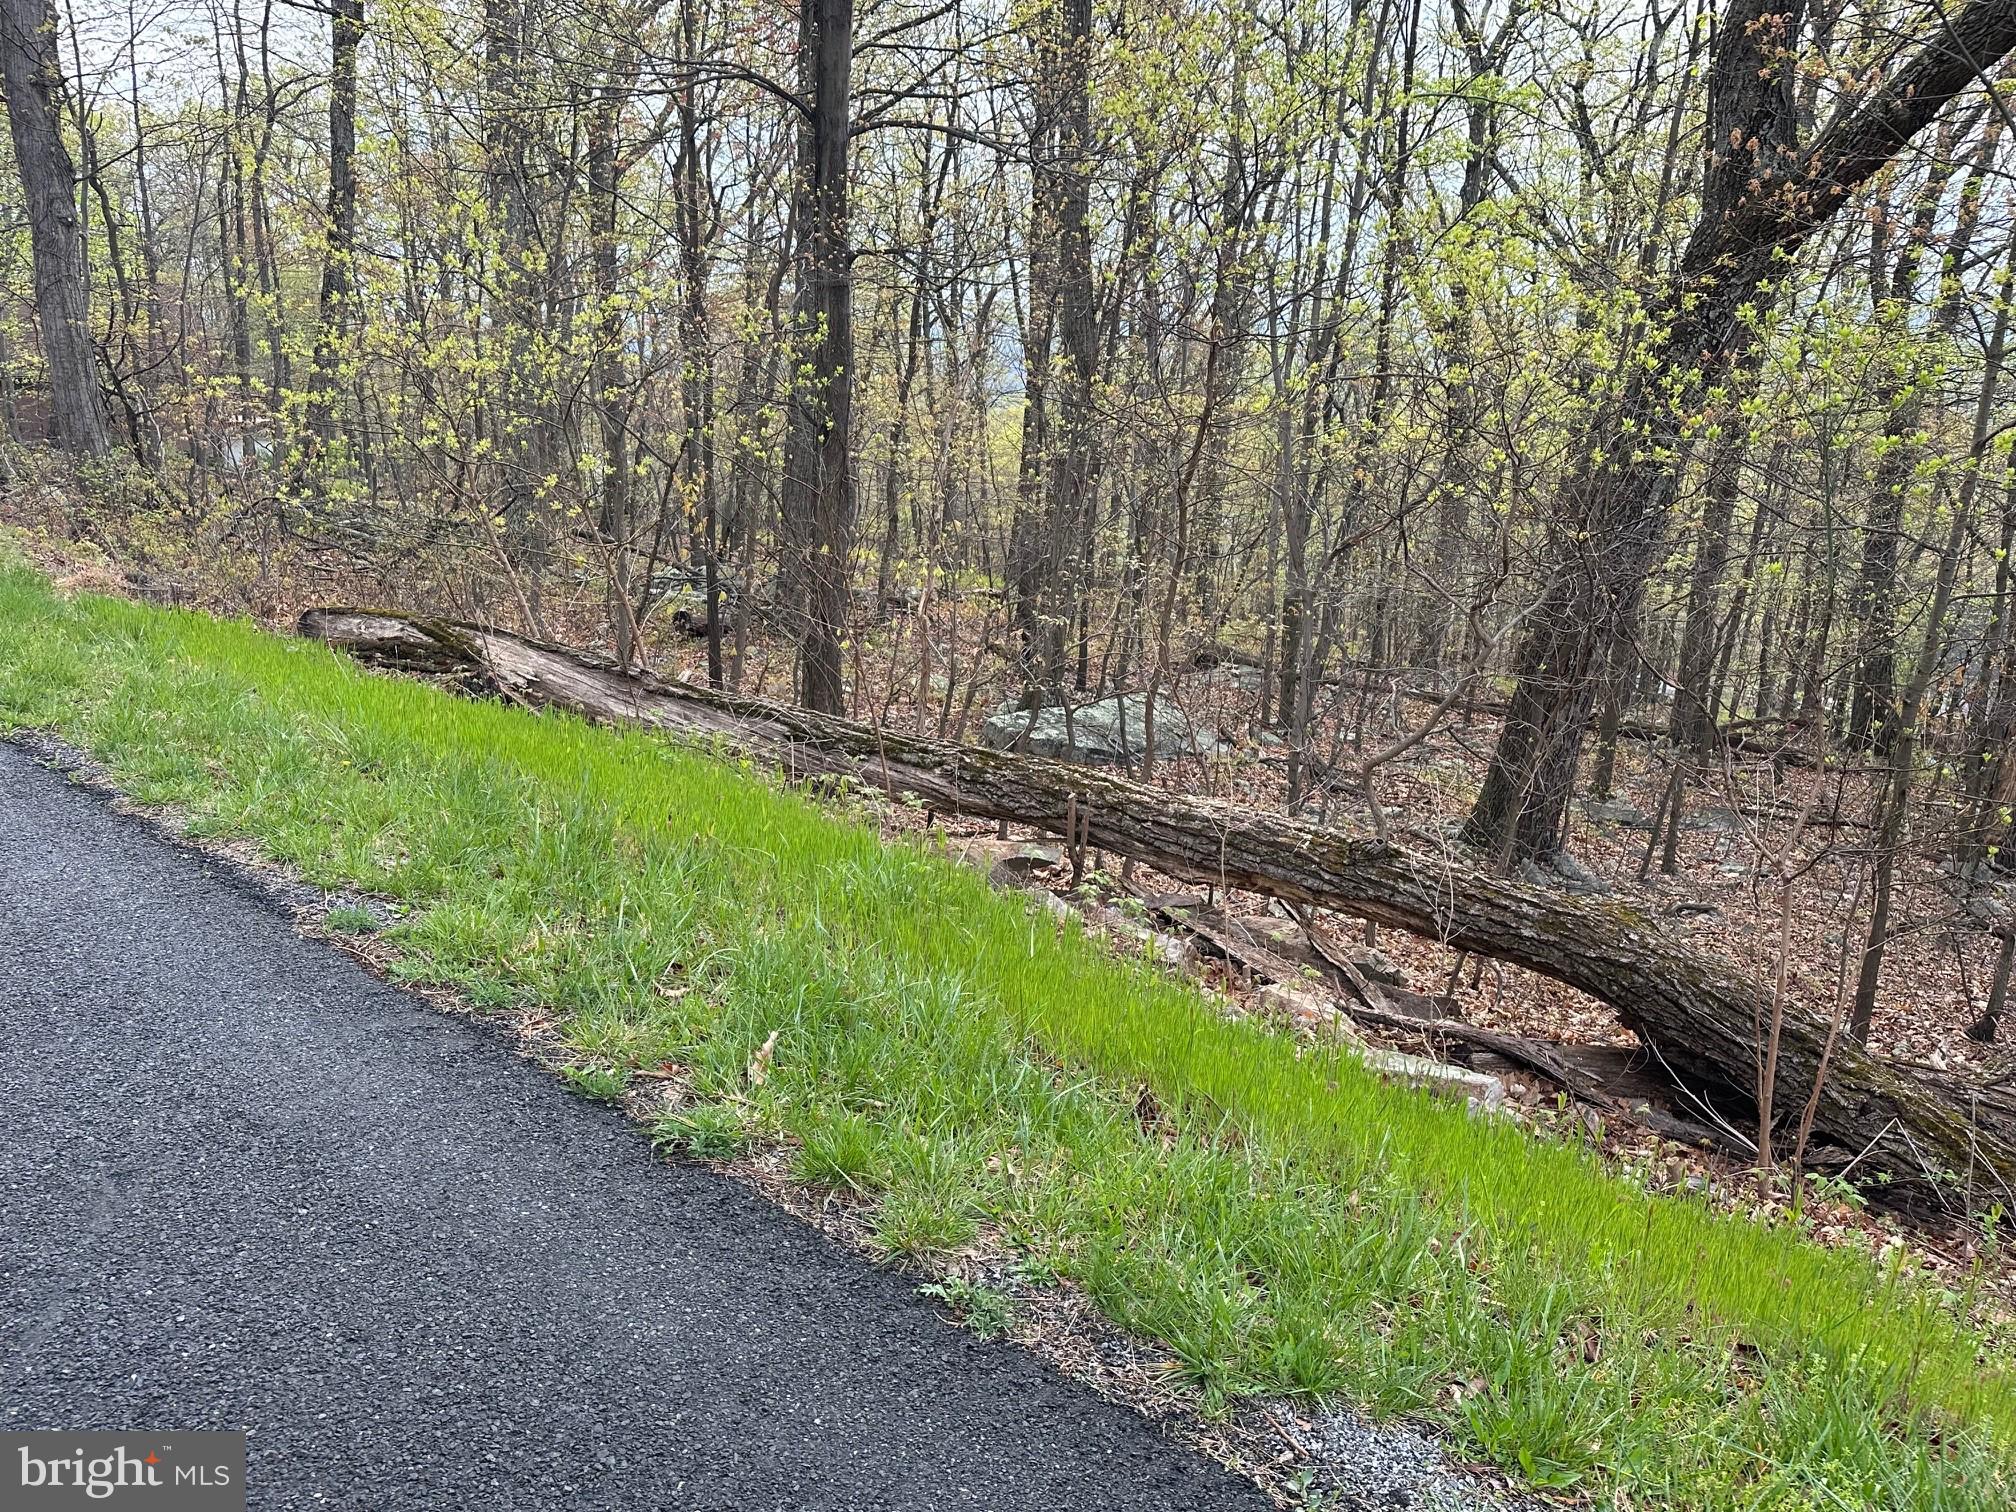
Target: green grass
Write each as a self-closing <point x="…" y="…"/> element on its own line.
<point x="350" y="919"/>
<point x="1288" y="1225"/>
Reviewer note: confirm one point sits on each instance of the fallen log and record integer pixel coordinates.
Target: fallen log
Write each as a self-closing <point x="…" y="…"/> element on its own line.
<point x="1940" y="1143"/>
<point x="1558" y="1064"/>
<point x="1401" y="1012"/>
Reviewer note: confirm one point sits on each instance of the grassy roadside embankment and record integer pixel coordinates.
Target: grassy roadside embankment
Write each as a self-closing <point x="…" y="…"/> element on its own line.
<point x="1280" y="1220"/>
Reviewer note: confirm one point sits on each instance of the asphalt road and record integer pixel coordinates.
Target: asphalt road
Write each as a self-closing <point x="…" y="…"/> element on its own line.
<point x="243" y="1184"/>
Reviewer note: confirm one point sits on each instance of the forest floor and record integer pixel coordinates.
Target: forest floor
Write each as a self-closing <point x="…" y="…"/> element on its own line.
<point x="1719" y="865"/>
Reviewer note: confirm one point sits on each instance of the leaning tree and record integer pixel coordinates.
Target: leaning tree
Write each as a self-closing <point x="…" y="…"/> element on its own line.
<point x="1763" y="194"/>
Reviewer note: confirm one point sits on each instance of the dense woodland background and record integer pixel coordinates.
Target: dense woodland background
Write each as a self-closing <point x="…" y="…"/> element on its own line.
<point x="1557" y="430"/>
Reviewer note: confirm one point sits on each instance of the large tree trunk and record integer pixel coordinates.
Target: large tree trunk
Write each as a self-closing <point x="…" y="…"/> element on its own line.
<point x="49" y="186"/>
<point x="697" y="222"/>
<point x="1058" y="467"/>
<point x="1761" y="199"/>
<point x="1943" y="1144"/>
<point x="818" y="492"/>
<point x="519" y="395"/>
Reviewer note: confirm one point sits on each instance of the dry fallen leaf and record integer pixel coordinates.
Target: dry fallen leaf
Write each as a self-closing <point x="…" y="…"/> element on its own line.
<point x="759" y="1064"/>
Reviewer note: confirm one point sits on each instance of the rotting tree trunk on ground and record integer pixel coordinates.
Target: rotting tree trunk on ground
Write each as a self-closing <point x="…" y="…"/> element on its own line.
<point x="1942" y="1142"/>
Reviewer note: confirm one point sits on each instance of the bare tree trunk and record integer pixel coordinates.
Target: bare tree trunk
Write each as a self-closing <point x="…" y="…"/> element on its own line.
<point x="695" y="222"/>
<point x="1695" y="721"/>
<point x="515" y="400"/>
<point x="818" y="494"/>
<point x="34" y="84"/>
<point x="339" y="240"/>
<point x="610" y="367"/>
<point x="1057" y="462"/>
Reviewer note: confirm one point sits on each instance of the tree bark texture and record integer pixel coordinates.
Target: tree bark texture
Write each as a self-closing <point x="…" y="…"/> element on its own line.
<point x="34" y="83"/>
<point x="818" y="493"/>
<point x="339" y="236"/>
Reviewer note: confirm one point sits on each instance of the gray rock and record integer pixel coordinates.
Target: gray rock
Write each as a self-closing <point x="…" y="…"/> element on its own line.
<point x="1377" y="966"/>
<point x="1484" y="1094"/>
<point x="1008" y="876"/>
<point x="1032" y="857"/>
<point x="1168" y="950"/>
<point x="1309" y="1012"/>
<point x="1713" y="821"/>
<point x="1563" y="871"/>
<point x="1096" y="730"/>
<point x="1055" y="906"/>
<point x="1284" y="932"/>
<point x="1576" y="877"/>
<point x="1163" y="949"/>
<point x="1618" y="813"/>
<point x="1986" y="910"/>
<point x="1233" y="675"/>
